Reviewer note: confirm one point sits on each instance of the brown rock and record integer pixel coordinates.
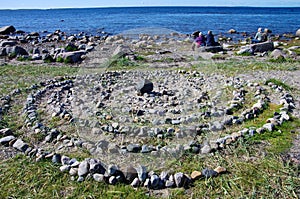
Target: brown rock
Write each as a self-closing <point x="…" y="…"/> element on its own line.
<point x="108" y="117"/>
<point x="220" y="170"/>
<point x="232" y="31"/>
<point x="196" y="175"/>
<point x="235" y="136"/>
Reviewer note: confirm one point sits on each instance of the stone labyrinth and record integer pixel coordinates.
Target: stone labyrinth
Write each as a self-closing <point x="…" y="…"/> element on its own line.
<point x="144" y="117"/>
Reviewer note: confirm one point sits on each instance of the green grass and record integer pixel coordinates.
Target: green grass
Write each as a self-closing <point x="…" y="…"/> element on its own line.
<point x="13" y="77"/>
<point x="22" y="178"/>
<point x="279" y="83"/>
<point x="123" y="63"/>
<point x="249" y="174"/>
<point x="22" y="58"/>
<point x="255" y="166"/>
<point x="219" y="57"/>
<point x="233" y="67"/>
<point x="71" y="48"/>
<point x="60" y="59"/>
<point x="297" y="51"/>
<point x="281" y="139"/>
<point x="246" y="54"/>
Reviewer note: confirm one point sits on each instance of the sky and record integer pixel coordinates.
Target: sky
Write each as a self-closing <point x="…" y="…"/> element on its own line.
<point x="41" y="4"/>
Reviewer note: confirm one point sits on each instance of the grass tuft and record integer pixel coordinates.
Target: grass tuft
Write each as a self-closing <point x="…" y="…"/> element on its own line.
<point x="278" y="83"/>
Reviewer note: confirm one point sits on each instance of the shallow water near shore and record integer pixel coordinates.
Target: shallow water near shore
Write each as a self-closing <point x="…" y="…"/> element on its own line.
<point x="179" y="19"/>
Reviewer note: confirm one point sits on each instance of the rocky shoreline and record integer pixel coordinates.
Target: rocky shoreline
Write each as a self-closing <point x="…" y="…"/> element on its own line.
<point x="60" y="47"/>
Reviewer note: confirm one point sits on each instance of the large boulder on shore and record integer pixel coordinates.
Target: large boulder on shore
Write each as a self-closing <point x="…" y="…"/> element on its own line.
<point x="262" y="47"/>
<point x="298" y="33"/>
<point x="6" y="30"/>
<point x="245" y="49"/>
<point x="122" y="51"/>
<point x="16" y="51"/>
<point x="7" y="43"/>
<point x="259" y="47"/>
<point x="72" y="57"/>
<point x="277" y="54"/>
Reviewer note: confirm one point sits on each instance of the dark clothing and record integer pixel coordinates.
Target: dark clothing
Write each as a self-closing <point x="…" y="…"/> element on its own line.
<point x="210" y="40"/>
<point x="195" y="34"/>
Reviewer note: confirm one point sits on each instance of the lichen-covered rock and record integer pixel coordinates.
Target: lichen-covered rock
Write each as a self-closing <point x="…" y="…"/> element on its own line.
<point x="220" y="170"/>
<point x="130" y="174"/>
<point x="122" y="51"/>
<point x="232" y="31"/>
<point x="142" y="172"/>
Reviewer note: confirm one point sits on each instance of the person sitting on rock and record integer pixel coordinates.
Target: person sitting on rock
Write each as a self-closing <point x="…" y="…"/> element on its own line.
<point x="200" y="40"/>
<point x="210" y="39"/>
<point x="258" y="36"/>
<point x="265" y="35"/>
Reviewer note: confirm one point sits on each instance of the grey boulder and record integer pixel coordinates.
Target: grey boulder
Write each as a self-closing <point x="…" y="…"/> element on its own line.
<point x="144" y="86"/>
<point x="7" y="30"/>
<point x="16" y="51"/>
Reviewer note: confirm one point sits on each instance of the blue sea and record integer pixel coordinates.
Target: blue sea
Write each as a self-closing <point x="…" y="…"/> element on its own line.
<point x="175" y="19"/>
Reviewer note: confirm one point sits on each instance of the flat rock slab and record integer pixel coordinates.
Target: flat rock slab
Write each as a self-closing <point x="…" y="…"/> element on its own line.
<point x="263" y="47"/>
<point x="213" y="49"/>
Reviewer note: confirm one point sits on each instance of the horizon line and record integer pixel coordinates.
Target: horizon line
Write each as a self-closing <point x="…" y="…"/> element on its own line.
<point x="149" y="6"/>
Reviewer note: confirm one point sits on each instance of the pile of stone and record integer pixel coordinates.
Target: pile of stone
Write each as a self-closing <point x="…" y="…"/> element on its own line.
<point x="118" y="127"/>
<point x="27" y="46"/>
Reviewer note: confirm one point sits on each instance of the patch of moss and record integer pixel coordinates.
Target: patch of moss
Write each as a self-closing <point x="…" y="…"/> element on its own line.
<point x="219" y="57"/>
<point x="246" y="54"/>
<point x="68" y="60"/>
<point x="60" y="59"/>
<point x="71" y="48"/>
<point x="279" y="83"/>
<point x="23" y="58"/>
